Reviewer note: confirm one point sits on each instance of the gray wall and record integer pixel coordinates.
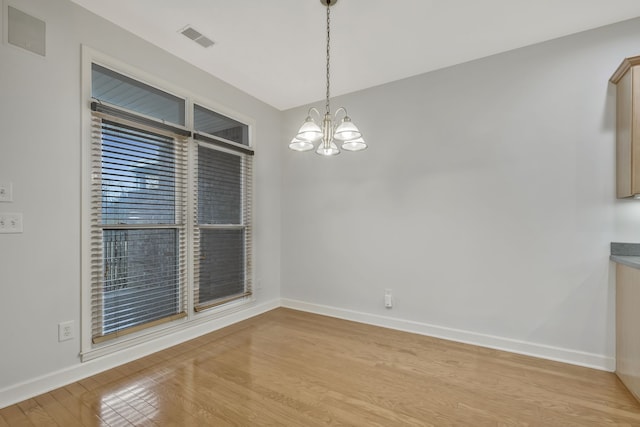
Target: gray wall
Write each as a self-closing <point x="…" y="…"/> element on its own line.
<point x="485" y="202"/>
<point x="40" y="152"/>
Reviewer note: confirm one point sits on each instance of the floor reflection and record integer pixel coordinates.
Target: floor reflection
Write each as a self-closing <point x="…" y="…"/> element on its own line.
<point x="134" y="403"/>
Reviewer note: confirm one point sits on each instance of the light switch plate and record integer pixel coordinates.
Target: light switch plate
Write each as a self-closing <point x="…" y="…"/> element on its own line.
<point x="6" y="192"/>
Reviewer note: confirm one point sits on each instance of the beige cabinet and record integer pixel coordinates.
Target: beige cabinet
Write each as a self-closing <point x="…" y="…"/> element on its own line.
<point x="627" y="81"/>
<point x="627" y="327"/>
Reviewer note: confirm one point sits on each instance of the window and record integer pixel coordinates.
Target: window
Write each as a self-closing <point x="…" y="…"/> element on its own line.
<point x="223" y="216"/>
<point x="139" y="228"/>
<point x="140" y="168"/>
<point x="219" y="126"/>
<point x="122" y="91"/>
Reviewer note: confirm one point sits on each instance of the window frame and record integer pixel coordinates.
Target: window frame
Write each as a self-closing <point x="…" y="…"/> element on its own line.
<point x="90" y="350"/>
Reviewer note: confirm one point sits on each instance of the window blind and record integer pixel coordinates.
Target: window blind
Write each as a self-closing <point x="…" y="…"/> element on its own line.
<point x="222" y="231"/>
<point x="138" y="230"/>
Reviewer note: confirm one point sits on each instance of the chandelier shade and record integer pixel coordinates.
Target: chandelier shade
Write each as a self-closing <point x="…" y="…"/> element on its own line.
<point x="345" y="131"/>
<point x="330" y="149"/>
<point x="300" y="145"/>
<point x="354" y="145"/>
<point x="309" y="131"/>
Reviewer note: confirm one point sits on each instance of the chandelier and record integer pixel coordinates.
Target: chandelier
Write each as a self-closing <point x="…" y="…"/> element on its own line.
<point x="345" y="131"/>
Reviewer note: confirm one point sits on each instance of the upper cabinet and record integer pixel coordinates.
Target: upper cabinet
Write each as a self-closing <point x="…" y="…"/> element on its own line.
<point x="627" y="81"/>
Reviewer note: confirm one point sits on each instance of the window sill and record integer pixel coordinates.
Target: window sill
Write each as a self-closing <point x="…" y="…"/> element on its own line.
<point x="167" y="330"/>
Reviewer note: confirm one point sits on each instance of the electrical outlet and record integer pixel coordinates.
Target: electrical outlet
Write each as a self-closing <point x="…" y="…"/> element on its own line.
<point x="6" y="192"/>
<point x="388" y="299"/>
<point x="10" y="222"/>
<point x="65" y="331"/>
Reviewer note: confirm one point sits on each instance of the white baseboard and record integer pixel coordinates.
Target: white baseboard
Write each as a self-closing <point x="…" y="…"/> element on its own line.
<point x="573" y="357"/>
<point x="33" y="387"/>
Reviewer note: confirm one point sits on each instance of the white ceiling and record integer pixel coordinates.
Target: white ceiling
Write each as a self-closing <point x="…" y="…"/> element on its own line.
<point x="275" y="50"/>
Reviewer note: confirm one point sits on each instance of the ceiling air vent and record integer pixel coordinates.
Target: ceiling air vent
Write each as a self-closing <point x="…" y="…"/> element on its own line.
<point x="196" y="36"/>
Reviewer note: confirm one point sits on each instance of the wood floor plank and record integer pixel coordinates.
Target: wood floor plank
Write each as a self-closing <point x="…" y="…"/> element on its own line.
<point x="55" y="410"/>
<point x="36" y="414"/>
<point x="14" y="416"/>
<point x="70" y="397"/>
<point x="290" y="368"/>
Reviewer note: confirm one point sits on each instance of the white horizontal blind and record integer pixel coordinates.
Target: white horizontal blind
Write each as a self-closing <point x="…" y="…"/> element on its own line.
<point x="138" y="231"/>
<point x="222" y="231"/>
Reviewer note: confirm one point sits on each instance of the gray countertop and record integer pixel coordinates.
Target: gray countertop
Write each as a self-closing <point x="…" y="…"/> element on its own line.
<point x="626" y="253"/>
<point x="631" y="261"/>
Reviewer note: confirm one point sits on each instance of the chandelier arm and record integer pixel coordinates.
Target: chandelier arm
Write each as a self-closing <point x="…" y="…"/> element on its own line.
<point x="335" y="115"/>
<point x="314" y="109"/>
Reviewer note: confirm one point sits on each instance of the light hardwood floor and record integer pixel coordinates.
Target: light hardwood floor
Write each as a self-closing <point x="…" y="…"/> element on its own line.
<point x="289" y="368"/>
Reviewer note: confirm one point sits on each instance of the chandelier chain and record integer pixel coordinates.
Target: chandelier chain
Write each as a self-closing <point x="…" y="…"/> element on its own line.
<point x="328" y="111"/>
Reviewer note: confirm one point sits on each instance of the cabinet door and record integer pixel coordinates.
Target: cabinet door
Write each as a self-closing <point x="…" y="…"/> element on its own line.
<point x="628" y="327"/>
<point x="627" y="81"/>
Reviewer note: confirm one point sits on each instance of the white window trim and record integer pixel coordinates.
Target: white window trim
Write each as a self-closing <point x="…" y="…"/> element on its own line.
<point x="90" y="351"/>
